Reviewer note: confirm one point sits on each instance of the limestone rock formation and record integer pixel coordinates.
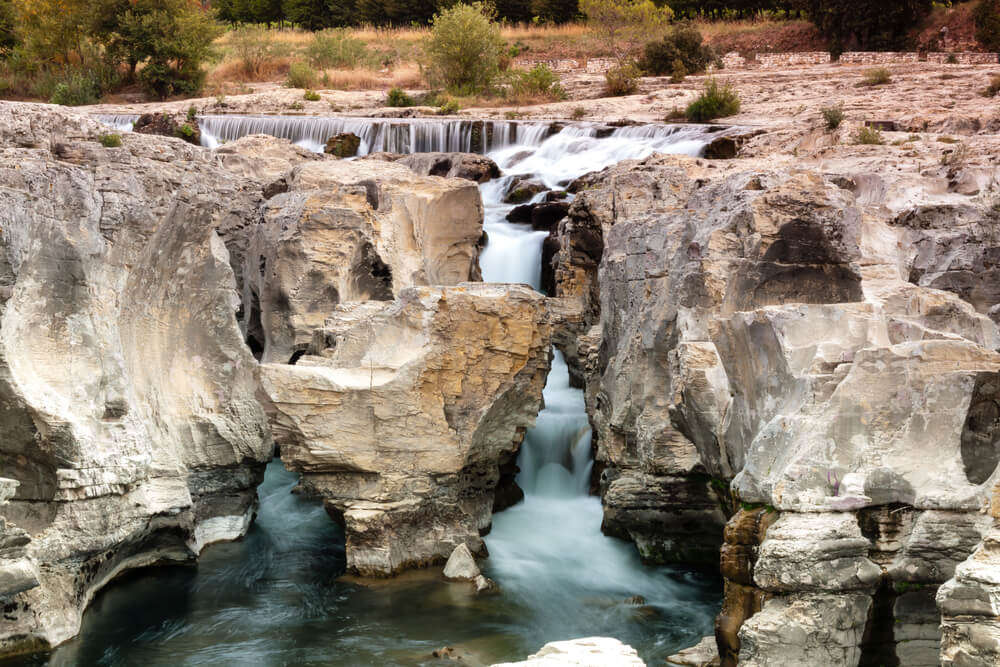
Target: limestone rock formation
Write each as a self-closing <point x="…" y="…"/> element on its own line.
<point x="403" y="413"/>
<point x="802" y="343"/>
<point x="583" y="652"/>
<point x="469" y="166"/>
<point x="352" y="231"/>
<point x="461" y="565"/>
<point x="128" y="396"/>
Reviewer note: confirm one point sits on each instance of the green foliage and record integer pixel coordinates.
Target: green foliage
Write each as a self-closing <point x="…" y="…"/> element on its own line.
<point x="868" y="136"/>
<point x="555" y="11"/>
<point x="321" y="14"/>
<point x="538" y="83"/>
<point x="876" y="26"/>
<point x="186" y="131"/>
<point x="993" y="89"/>
<point x="622" y="80"/>
<point x="449" y="107"/>
<point x="76" y="89"/>
<point x="623" y="26"/>
<point x="833" y="116"/>
<point x="683" y="45"/>
<point x="192" y="113"/>
<point x="300" y="75"/>
<point x="878" y="76"/>
<point x="311" y="96"/>
<point x="110" y="140"/>
<point x="986" y="17"/>
<point x="716" y="101"/>
<point x="464" y="49"/>
<point x="397" y="97"/>
<point x="337" y="48"/>
<point x="9" y="38"/>
<point x="254" y="48"/>
<point x="578" y="113"/>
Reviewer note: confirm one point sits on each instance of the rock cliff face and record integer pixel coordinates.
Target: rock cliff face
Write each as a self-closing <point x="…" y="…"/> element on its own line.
<point x="803" y="344"/>
<point x="129" y="415"/>
<point x="403" y="414"/>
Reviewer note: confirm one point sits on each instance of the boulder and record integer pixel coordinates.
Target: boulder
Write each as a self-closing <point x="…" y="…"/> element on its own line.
<point x="352" y="231"/>
<point x="345" y="144"/>
<point x="583" y="653"/>
<point x="403" y="412"/>
<point x="166" y="125"/>
<point x="703" y="654"/>
<point x="468" y="166"/>
<point x="461" y="565"/>
<point x="130" y="419"/>
<point x="523" y="188"/>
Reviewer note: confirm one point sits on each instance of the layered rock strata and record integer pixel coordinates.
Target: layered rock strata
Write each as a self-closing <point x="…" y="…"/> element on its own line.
<point x="802" y="343"/>
<point x="403" y="413"/>
<point x="129" y="415"/>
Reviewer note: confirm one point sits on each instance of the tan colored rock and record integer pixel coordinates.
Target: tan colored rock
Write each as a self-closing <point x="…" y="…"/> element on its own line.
<point x="353" y="231"/>
<point x="461" y="565"/>
<point x="401" y="417"/>
<point x="584" y="652"/>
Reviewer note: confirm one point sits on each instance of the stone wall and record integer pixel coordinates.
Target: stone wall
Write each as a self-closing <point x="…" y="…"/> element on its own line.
<point x="878" y="57"/>
<point x="768" y="60"/>
<point x="963" y="58"/>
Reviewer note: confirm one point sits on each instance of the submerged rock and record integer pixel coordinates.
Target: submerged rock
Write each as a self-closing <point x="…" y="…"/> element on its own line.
<point x="402" y="414"/>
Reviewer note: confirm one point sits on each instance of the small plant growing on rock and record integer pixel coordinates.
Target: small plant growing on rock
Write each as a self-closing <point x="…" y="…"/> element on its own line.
<point x="878" y="76"/>
<point x="311" y="96"/>
<point x="186" y="131"/>
<point x="539" y="83"/>
<point x="621" y="80"/>
<point x="869" y="136"/>
<point x="578" y="113"/>
<point x="716" y="101"/>
<point x="449" y="107"/>
<point x="952" y="59"/>
<point x="512" y="115"/>
<point x="675" y="115"/>
<point x="397" y="97"/>
<point x="296" y="106"/>
<point x="110" y="140"/>
<point x="192" y="114"/>
<point x="993" y="89"/>
<point x="833" y="116"/>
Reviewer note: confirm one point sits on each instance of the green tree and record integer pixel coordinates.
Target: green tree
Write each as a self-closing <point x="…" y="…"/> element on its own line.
<point x="464" y="49"/>
<point x="320" y="14"/>
<point x="8" y="32"/>
<point x="866" y="25"/>
<point x="624" y="26"/>
<point x="987" y="19"/>
<point x="556" y="11"/>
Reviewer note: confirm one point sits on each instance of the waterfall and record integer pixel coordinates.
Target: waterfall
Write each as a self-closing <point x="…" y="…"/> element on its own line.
<point x="120" y="122"/>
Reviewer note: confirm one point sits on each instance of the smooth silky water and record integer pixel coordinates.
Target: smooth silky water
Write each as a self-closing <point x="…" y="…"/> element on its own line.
<point x="277" y="596"/>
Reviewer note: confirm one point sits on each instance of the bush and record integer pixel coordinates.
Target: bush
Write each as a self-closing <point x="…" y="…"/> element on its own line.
<point x="192" y="113"/>
<point x="254" y="49"/>
<point x="397" y="97"/>
<point x="868" y="136"/>
<point x="337" y="49"/>
<point x="537" y="84"/>
<point x="186" y="131"/>
<point x="311" y="96"/>
<point x="578" y="113"/>
<point x="878" y="76"/>
<point x="624" y="26"/>
<point x="682" y="45"/>
<point x="464" y="49"/>
<point x="300" y="75"/>
<point x="833" y="116"/>
<point x="993" y="89"/>
<point x="621" y="80"/>
<point x="714" y="102"/>
<point x="110" y="140"/>
<point x="449" y="107"/>
<point x="76" y="89"/>
<point x="986" y="17"/>
<point x="870" y="26"/>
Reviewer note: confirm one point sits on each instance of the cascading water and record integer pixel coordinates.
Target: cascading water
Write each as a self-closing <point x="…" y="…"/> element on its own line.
<point x="275" y="597"/>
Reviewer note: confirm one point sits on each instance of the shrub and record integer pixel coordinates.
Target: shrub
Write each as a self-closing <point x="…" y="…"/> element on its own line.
<point x="300" y="75"/>
<point x="833" y="116"/>
<point x="311" y="96"/>
<point x="714" y="102"/>
<point x="871" y="26"/>
<point x="255" y="49"/>
<point x="464" y="49"/>
<point x="76" y="89"/>
<point x="622" y="80"/>
<point x="679" y="72"/>
<point x="578" y="113"/>
<point x="192" y="113"/>
<point x="952" y="59"/>
<point x="397" y="97"/>
<point x="986" y="17"/>
<point x="449" y="107"/>
<point x="623" y="26"/>
<point x="868" y="136"/>
<point x="186" y="131"/>
<point x="993" y="89"/>
<point x="682" y="45"/>
<point x="337" y="48"/>
<point x="538" y="83"/>
<point x="878" y="76"/>
<point x="110" y="140"/>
